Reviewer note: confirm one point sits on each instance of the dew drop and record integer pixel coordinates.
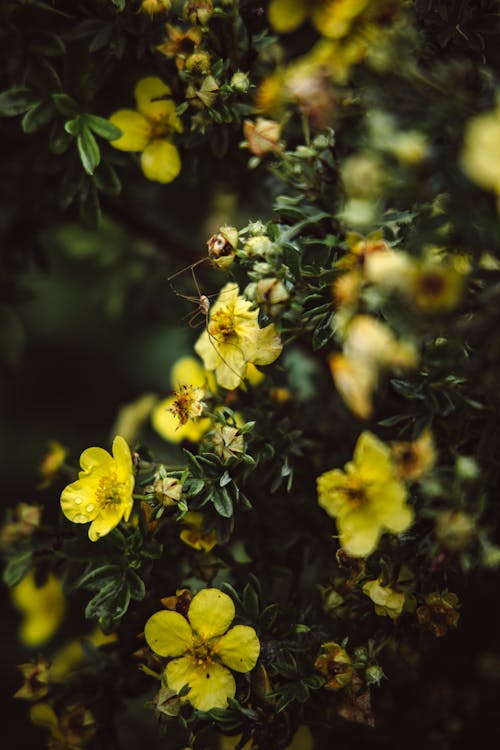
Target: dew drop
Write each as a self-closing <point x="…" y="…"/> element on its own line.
<point x="89" y="508"/>
<point x="78" y="500"/>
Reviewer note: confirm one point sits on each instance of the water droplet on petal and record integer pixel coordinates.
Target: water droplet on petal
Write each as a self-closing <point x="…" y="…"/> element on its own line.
<point x="89" y="508"/>
<point x="78" y="500"/>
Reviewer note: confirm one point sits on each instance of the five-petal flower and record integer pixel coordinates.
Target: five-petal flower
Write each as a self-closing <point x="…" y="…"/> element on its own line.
<point x="203" y="648"/>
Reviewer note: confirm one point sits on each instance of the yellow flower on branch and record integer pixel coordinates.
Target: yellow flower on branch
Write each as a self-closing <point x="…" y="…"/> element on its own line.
<point x="203" y="648"/>
<point x="176" y="418"/>
<point x="43" y="608"/>
<point x="387" y="601"/>
<point x="103" y="491"/>
<point x="192" y="534"/>
<point x="149" y="130"/>
<point x="366" y="499"/>
<point x="233" y="339"/>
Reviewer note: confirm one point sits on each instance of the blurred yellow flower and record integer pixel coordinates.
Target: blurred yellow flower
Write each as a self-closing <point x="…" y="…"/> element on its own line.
<point x="149" y="130"/>
<point x="51" y="463"/>
<point x="152" y="7"/>
<point x="186" y="370"/>
<point x="43" y="609"/>
<point x="414" y="459"/>
<point x="203" y="648"/>
<point x="366" y="498"/>
<point x="103" y="491"/>
<point x="72" y="654"/>
<point x="370" y="347"/>
<point x="480" y="157"/>
<point x="436" y="286"/>
<point x="233" y="339"/>
<point x="192" y="535"/>
<point x="263" y="136"/>
<point x="387" y="601"/>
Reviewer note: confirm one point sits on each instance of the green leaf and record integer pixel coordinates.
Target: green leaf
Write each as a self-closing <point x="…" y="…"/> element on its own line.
<point x="15" y="101"/>
<point x="48" y="44"/>
<point x="250" y="601"/>
<point x="38" y="116"/>
<point x="88" y="149"/>
<point x="110" y="603"/>
<point x="225" y="479"/>
<point x="65" y="104"/>
<point x="59" y="139"/>
<point x="90" y="210"/>
<point x="106" y="179"/>
<point x="95" y="578"/>
<point x="74" y="126"/>
<point x="102" y="127"/>
<point x="223" y="503"/>
<point x="136" y="585"/>
<point x="16" y="568"/>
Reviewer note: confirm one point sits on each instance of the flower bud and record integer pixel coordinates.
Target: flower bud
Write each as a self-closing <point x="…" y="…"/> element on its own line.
<point x="198" y="11"/>
<point x="222" y="247"/>
<point x="271" y="295"/>
<point x="240" y="82"/>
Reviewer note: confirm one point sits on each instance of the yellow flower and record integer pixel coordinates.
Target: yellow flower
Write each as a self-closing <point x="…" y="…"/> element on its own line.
<point x="233" y="339"/>
<point x="334" y="19"/>
<point x="370" y="347"/>
<point x="203" y="648"/>
<point x="149" y="130"/>
<point x="187" y="404"/>
<point x="334" y="663"/>
<point x="52" y="462"/>
<point x="73" y="655"/>
<point x="481" y="153"/>
<point x="263" y="136"/>
<point x="70" y="730"/>
<point x="414" y="459"/>
<point x="152" y="7"/>
<point x="192" y="535"/>
<point x="435" y="286"/>
<point x="103" y="491"/>
<point x="164" y="419"/>
<point x="387" y="601"/>
<point x="181" y="44"/>
<point x="366" y="499"/>
<point x="43" y="608"/>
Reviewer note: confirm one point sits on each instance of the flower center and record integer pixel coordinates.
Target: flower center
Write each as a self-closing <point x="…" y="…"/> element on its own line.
<point x="109" y="490"/>
<point x="222" y="324"/>
<point x="203" y="653"/>
<point x="159" y="127"/>
<point x="355" y="492"/>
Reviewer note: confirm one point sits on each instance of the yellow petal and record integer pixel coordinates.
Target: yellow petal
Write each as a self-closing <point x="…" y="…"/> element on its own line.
<point x="206" y="349"/>
<point x="359" y="533"/>
<point x="160" y="161"/>
<point x="268" y="346"/>
<point x="232" y="365"/>
<point x="253" y="375"/>
<point x="135" y="129"/>
<point x="210" y="685"/>
<point x="167" y="425"/>
<point x="188" y="370"/>
<point x="372" y="458"/>
<point x="96" y="458"/>
<point x="43" y="715"/>
<point x="125" y="476"/>
<point x="332" y="488"/>
<point x="77" y="497"/>
<point x="398" y="517"/>
<point x="287" y="15"/>
<point x="239" y="648"/>
<point x="108" y="517"/>
<point x="168" y="634"/>
<point x="211" y="612"/>
<point x="148" y="90"/>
